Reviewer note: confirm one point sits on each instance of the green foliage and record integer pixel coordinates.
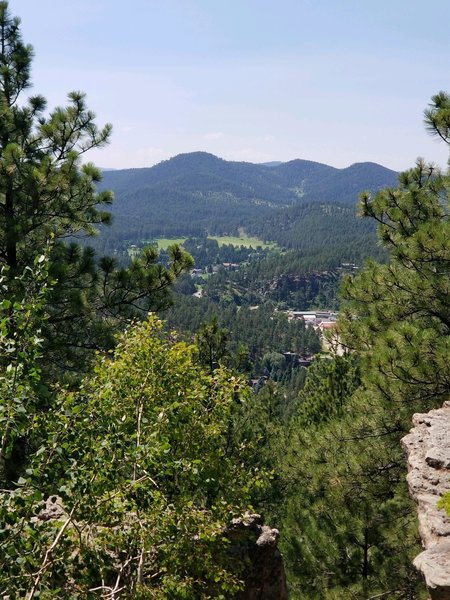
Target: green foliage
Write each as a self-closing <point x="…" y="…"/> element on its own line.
<point x="92" y="301"/>
<point x="21" y="320"/>
<point x="328" y="386"/>
<point x="123" y="484"/>
<point x="348" y="524"/>
<point x="273" y="362"/>
<point x="46" y="192"/>
<point x="145" y="472"/>
<point x="207" y="251"/>
<point x="326" y="231"/>
<point x="211" y="341"/>
<point x="437" y="116"/>
<point x="351" y="526"/>
<point x="296" y="280"/>
<point x="444" y="503"/>
<point x="397" y="314"/>
<point x="242" y="336"/>
<point x="44" y="188"/>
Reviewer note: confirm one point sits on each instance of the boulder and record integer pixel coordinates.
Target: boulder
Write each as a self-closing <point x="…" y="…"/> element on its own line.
<point x="427" y="449"/>
<point x="255" y="544"/>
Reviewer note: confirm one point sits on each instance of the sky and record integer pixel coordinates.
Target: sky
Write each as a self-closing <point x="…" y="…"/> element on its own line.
<point x="334" y="81"/>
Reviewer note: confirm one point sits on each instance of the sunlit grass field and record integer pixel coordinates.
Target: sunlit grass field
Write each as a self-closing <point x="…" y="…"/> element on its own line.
<point x="222" y="240"/>
<point x="242" y="240"/>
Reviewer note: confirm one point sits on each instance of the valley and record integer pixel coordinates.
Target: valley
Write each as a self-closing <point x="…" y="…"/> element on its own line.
<point x="207" y="366"/>
<point x="267" y="242"/>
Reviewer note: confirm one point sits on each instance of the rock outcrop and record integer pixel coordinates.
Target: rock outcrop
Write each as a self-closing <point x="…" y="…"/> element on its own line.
<point x="255" y="544"/>
<point x="427" y="448"/>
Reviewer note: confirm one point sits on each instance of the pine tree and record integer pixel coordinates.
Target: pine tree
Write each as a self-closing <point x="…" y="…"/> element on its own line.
<point x="349" y="526"/>
<point x="397" y="313"/>
<point x="47" y="193"/>
<point x="212" y="340"/>
<point x="352" y="527"/>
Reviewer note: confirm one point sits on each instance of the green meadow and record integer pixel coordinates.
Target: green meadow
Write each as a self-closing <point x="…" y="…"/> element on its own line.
<point x="164" y="243"/>
<point x="242" y="240"/>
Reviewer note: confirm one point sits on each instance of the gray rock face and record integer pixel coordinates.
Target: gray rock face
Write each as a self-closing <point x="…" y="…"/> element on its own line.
<point x="256" y="545"/>
<point x="427" y="449"/>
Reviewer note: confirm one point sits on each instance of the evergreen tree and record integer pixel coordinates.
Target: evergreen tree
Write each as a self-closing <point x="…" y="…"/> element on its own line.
<point x="352" y="526"/>
<point x="349" y="526"/>
<point x="397" y="314"/>
<point x="46" y="192"/>
<point x="212" y="340"/>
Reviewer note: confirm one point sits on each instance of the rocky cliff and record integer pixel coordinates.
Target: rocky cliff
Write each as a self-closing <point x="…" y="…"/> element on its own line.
<point x="427" y="449"/>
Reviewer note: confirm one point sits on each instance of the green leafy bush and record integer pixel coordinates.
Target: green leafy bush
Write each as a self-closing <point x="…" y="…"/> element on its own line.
<point x="136" y="477"/>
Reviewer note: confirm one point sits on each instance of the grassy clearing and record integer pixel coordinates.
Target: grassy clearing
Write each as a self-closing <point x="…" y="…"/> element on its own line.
<point x="164" y="243"/>
<point x="242" y="240"/>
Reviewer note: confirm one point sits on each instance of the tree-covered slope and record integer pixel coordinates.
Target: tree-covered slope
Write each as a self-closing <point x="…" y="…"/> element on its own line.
<point x="203" y="172"/>
<point x="197" y="193"/>
<point x="317" y="227"/>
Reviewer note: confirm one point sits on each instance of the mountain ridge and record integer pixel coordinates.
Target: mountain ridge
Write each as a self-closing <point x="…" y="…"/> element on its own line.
<point x="198" y="193"/>
<point x="256" y="180"/>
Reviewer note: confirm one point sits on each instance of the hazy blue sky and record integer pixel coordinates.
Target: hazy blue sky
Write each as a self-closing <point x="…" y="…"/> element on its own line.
<point x="336" y="81"/>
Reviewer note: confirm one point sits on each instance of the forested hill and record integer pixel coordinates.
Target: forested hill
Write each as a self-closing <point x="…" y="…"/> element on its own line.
<point x="283" y="183"/>
<point x="198" y="193"/>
